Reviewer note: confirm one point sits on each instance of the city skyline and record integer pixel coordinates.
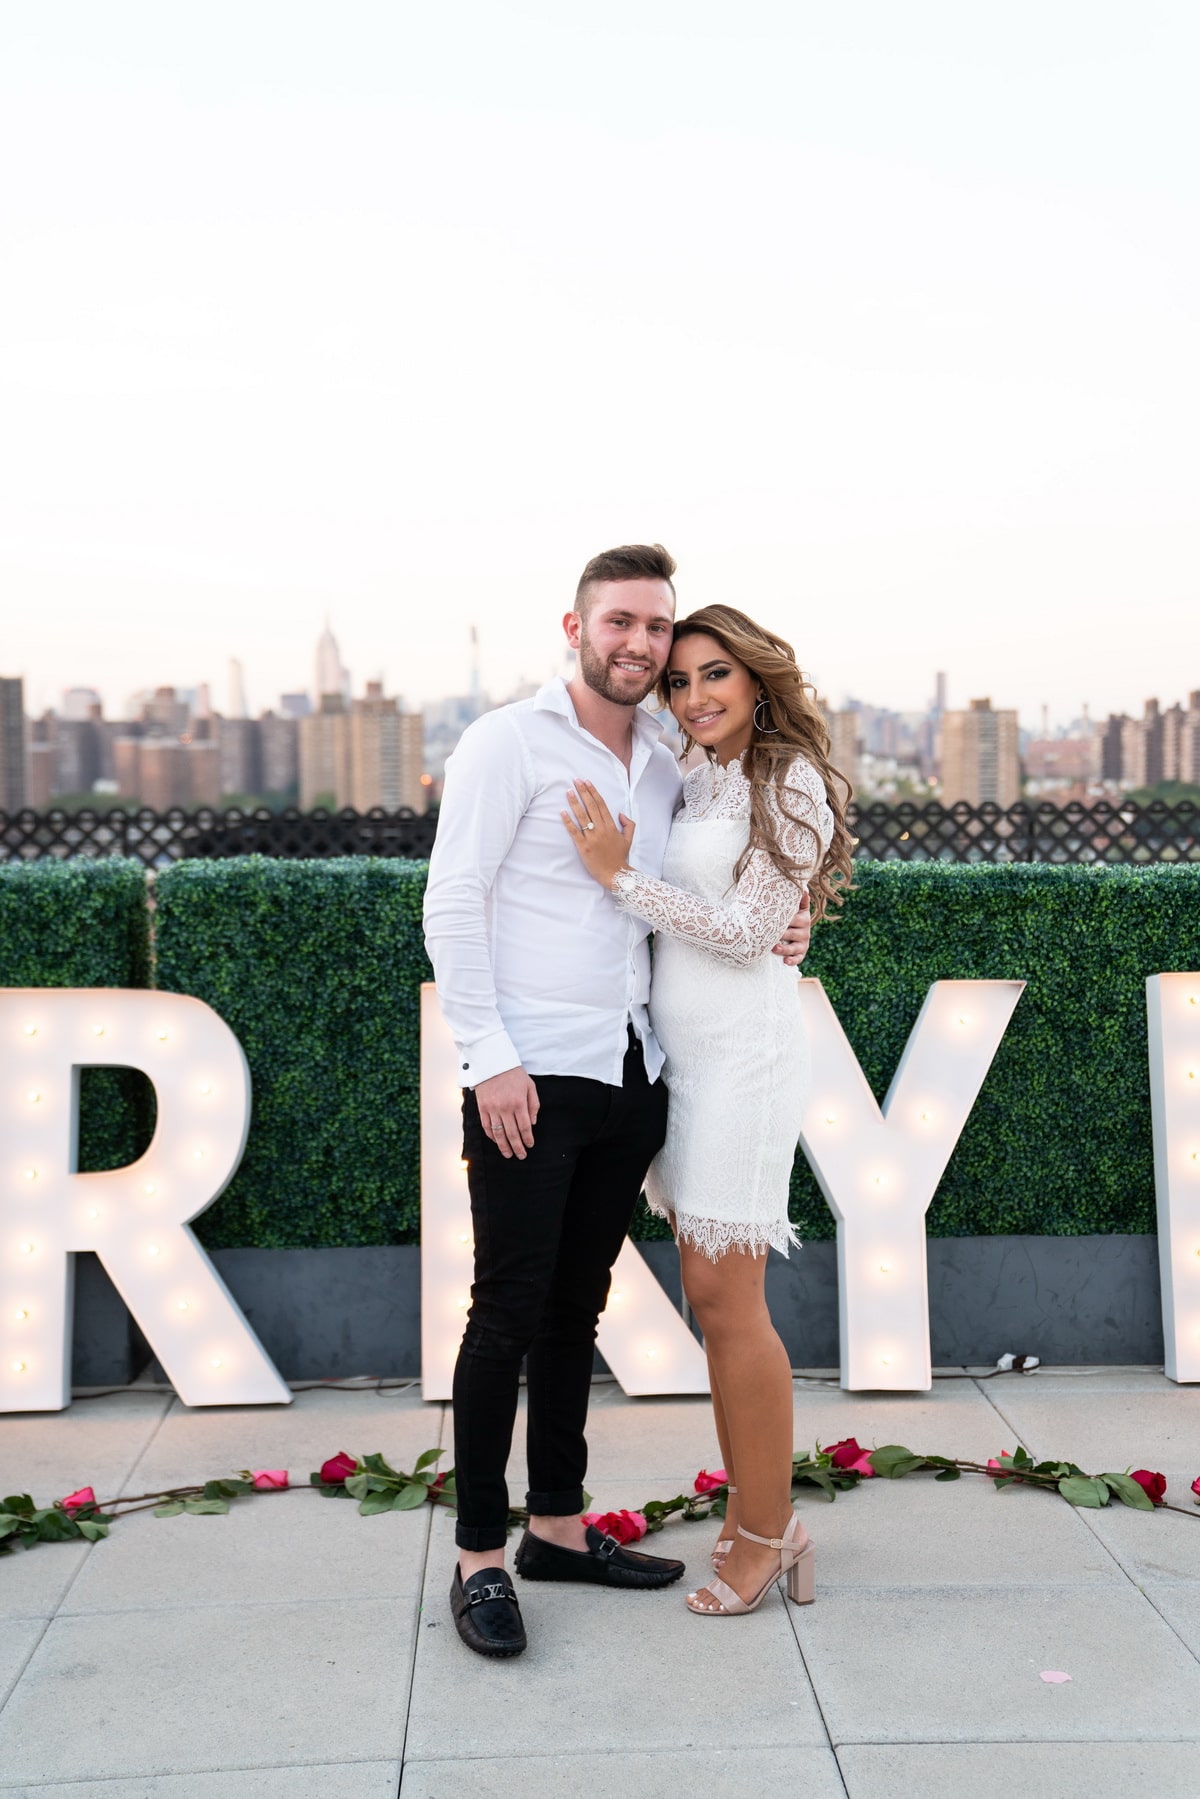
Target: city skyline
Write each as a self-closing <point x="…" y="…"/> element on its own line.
<point x="881" y="319"/>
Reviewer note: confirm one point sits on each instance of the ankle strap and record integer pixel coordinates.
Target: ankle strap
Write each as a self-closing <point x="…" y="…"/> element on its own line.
<point x="770" y="1542"/>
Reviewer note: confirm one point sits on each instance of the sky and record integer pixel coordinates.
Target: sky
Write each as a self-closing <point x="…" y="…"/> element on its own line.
<point x="883" y="318"/>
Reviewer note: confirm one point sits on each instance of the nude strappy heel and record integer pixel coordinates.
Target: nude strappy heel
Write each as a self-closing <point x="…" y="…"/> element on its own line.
<point x="721" y="1549"/>
<point x="795" y="1562"/>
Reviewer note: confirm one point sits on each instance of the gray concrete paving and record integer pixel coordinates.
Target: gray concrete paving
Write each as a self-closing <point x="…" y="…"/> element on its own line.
<point x="293" y="1648"/>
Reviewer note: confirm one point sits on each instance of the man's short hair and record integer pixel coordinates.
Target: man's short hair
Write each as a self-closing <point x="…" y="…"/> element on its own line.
<point x="630" y="562"/>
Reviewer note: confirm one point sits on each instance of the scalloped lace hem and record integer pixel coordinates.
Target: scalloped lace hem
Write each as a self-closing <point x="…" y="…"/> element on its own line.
<point x="717" y="1237"/>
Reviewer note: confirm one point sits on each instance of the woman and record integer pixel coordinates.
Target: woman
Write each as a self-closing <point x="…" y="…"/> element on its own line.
<point x="763" y="818"/>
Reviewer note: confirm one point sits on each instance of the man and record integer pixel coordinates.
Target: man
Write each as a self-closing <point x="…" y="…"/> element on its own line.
<point x="544" y="985"/>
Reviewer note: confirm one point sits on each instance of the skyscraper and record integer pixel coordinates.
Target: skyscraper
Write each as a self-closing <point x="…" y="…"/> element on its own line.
<point x="12" y="743"/>
<point x="980" y="756"/>
<point x="331" y="675"/>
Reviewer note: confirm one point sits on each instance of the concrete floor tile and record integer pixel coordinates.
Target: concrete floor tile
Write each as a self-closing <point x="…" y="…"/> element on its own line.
<point x="94" y="1443"/>
<point x="18" y="1639"/>
<point x="1156" y="1426"/>
<point x="734" y="1773"/>
<point x="204" y="1443"/>
<point x="280" y="1547"/>
<point x="605" y="1670"/>
<point x="918" y="1532"/>
<point x="1034" y="1770"/>
<point x="346" y="1780"/>
<point x="963" y="1665"/>
<point x="34" y="1581"/>
<point x="1180" y="1606"/>
<point x="110" y="1696"/>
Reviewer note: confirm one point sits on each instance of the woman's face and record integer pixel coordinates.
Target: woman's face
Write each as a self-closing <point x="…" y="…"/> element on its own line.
<point x="713" y="696"/>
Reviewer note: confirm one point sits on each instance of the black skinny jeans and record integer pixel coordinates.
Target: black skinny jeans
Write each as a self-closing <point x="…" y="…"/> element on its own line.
<point x="547" y="1232"/>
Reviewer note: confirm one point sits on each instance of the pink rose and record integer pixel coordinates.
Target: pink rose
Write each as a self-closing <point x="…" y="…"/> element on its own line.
<point x="335" y="1470"/>
<point x="708" y="1483"/>
<point x="270" y="1480"/>
<point x="1196" y="1486"/>
<point x="1155" y="1485"/>
<point x="850" y="1455"/>
<point x="626" y="1527"/>
<point x="75" y="1502"/>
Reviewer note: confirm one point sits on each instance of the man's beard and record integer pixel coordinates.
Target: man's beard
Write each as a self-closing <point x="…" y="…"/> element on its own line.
<point x="599" y="677"/>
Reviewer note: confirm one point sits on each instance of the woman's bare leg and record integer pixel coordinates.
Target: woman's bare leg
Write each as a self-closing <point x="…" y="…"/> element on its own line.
<point x="754" y="1384"/>
<point x="731" y="1505"/>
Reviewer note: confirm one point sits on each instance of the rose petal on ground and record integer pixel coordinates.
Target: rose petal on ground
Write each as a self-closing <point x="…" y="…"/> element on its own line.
<point x="1055" y="1676"/>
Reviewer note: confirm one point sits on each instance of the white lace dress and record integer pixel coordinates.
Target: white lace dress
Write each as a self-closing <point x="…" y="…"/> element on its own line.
<point x="726" y="1010"/>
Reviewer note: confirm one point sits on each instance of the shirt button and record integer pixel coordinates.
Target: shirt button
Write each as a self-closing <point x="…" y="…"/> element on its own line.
<point x="466" y="1065"/>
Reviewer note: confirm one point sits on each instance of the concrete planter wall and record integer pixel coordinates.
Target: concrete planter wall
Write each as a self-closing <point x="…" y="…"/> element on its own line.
<point x="331" y="1313"/>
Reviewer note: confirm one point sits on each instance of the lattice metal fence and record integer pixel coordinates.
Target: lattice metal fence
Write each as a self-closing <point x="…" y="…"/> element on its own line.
<point x="1102" y="832"/>
<point x="162" y="837"/>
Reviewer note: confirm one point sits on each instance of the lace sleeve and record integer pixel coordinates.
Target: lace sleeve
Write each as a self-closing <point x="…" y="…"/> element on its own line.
<point x="752" y="919"/>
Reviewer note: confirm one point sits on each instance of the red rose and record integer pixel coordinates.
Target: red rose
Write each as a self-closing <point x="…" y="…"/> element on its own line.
<point x="1196" y="1486"/>
<point x="437" y="1485"/>
<point x="708" y="1483"/>
<point x="626" y="1527"/>
<point x="75" y="1502"/>
<point x="851" y="1456"/>
<point x="335" y="1470"/>
<point x="1153" y="1484"/>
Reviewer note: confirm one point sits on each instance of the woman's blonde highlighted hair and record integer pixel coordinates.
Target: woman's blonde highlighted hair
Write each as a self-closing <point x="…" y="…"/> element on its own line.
<point x="789" y="724"/>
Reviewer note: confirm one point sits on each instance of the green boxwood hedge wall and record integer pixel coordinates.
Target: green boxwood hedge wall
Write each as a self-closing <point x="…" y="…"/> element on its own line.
<point x="84" y="923"/>
<point x="316" y="967"/>
<point x="1058" y="1143"/>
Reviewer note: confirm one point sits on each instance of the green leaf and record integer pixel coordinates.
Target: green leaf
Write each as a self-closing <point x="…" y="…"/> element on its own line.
<point x="374" y="1503"/>
<point x="427" y="1458"/>
<point x="893" y="1461"/>
<point x="375" y="1464"/>
<point x="20" y="1503"/>
<point x="171" y="1510"/>
<point x="232" y="1487"/>
<point x="1131" y="1492"/>
<point x="1082" y="1490"/>
<point x="204" y="1508"/>
<point x="359" y="1485"/>
<point x="948" y="1474"/>
<point x="92" y="1528"/>
<point x="8" y="1524"/>
<point x="1021" y="1458"/>
<point x="410" y="1497"/>
<point x="53" y="1526"/>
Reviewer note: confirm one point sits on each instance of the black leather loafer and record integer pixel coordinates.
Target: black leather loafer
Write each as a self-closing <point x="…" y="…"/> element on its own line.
<point x="487" y="1615"/>
<point x="604" y="1562"/>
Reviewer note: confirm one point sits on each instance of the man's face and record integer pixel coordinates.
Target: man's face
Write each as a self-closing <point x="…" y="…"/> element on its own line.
<point x="625" y="639"/>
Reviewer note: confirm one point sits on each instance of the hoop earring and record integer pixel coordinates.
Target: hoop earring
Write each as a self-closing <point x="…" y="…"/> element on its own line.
<point x="767" y="730"/>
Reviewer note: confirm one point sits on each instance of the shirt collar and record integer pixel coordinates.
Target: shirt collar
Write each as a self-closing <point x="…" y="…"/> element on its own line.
<point x="555" y="697"/>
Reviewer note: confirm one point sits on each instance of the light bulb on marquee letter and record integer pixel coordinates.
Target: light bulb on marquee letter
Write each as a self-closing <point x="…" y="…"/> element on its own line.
<point x="673" y="1362"/>
<point x="45" y="1038"/>
<point x="1173" y="1018"/>
<point x="880" y="1168"/>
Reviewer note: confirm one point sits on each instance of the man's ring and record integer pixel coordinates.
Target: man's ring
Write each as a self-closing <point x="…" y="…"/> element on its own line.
<point x="589" y="826"/>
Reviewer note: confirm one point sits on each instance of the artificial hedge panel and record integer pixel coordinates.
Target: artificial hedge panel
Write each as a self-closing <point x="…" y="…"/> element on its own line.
<point x="316" y="967"/>
<point x="84" y="923"/>
<point x="1058" y="1143"/>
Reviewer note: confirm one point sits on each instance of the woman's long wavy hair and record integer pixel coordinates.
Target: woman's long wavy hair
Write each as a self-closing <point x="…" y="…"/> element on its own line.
<point x="794" y="726"/>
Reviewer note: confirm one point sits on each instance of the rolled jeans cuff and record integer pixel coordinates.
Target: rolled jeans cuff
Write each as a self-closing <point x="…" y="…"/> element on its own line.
<point x="567" y="1504"/>
<point x="480" y="1538"/>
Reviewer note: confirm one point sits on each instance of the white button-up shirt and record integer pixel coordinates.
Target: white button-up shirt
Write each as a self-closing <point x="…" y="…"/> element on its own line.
<point x="535" y="965"/>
